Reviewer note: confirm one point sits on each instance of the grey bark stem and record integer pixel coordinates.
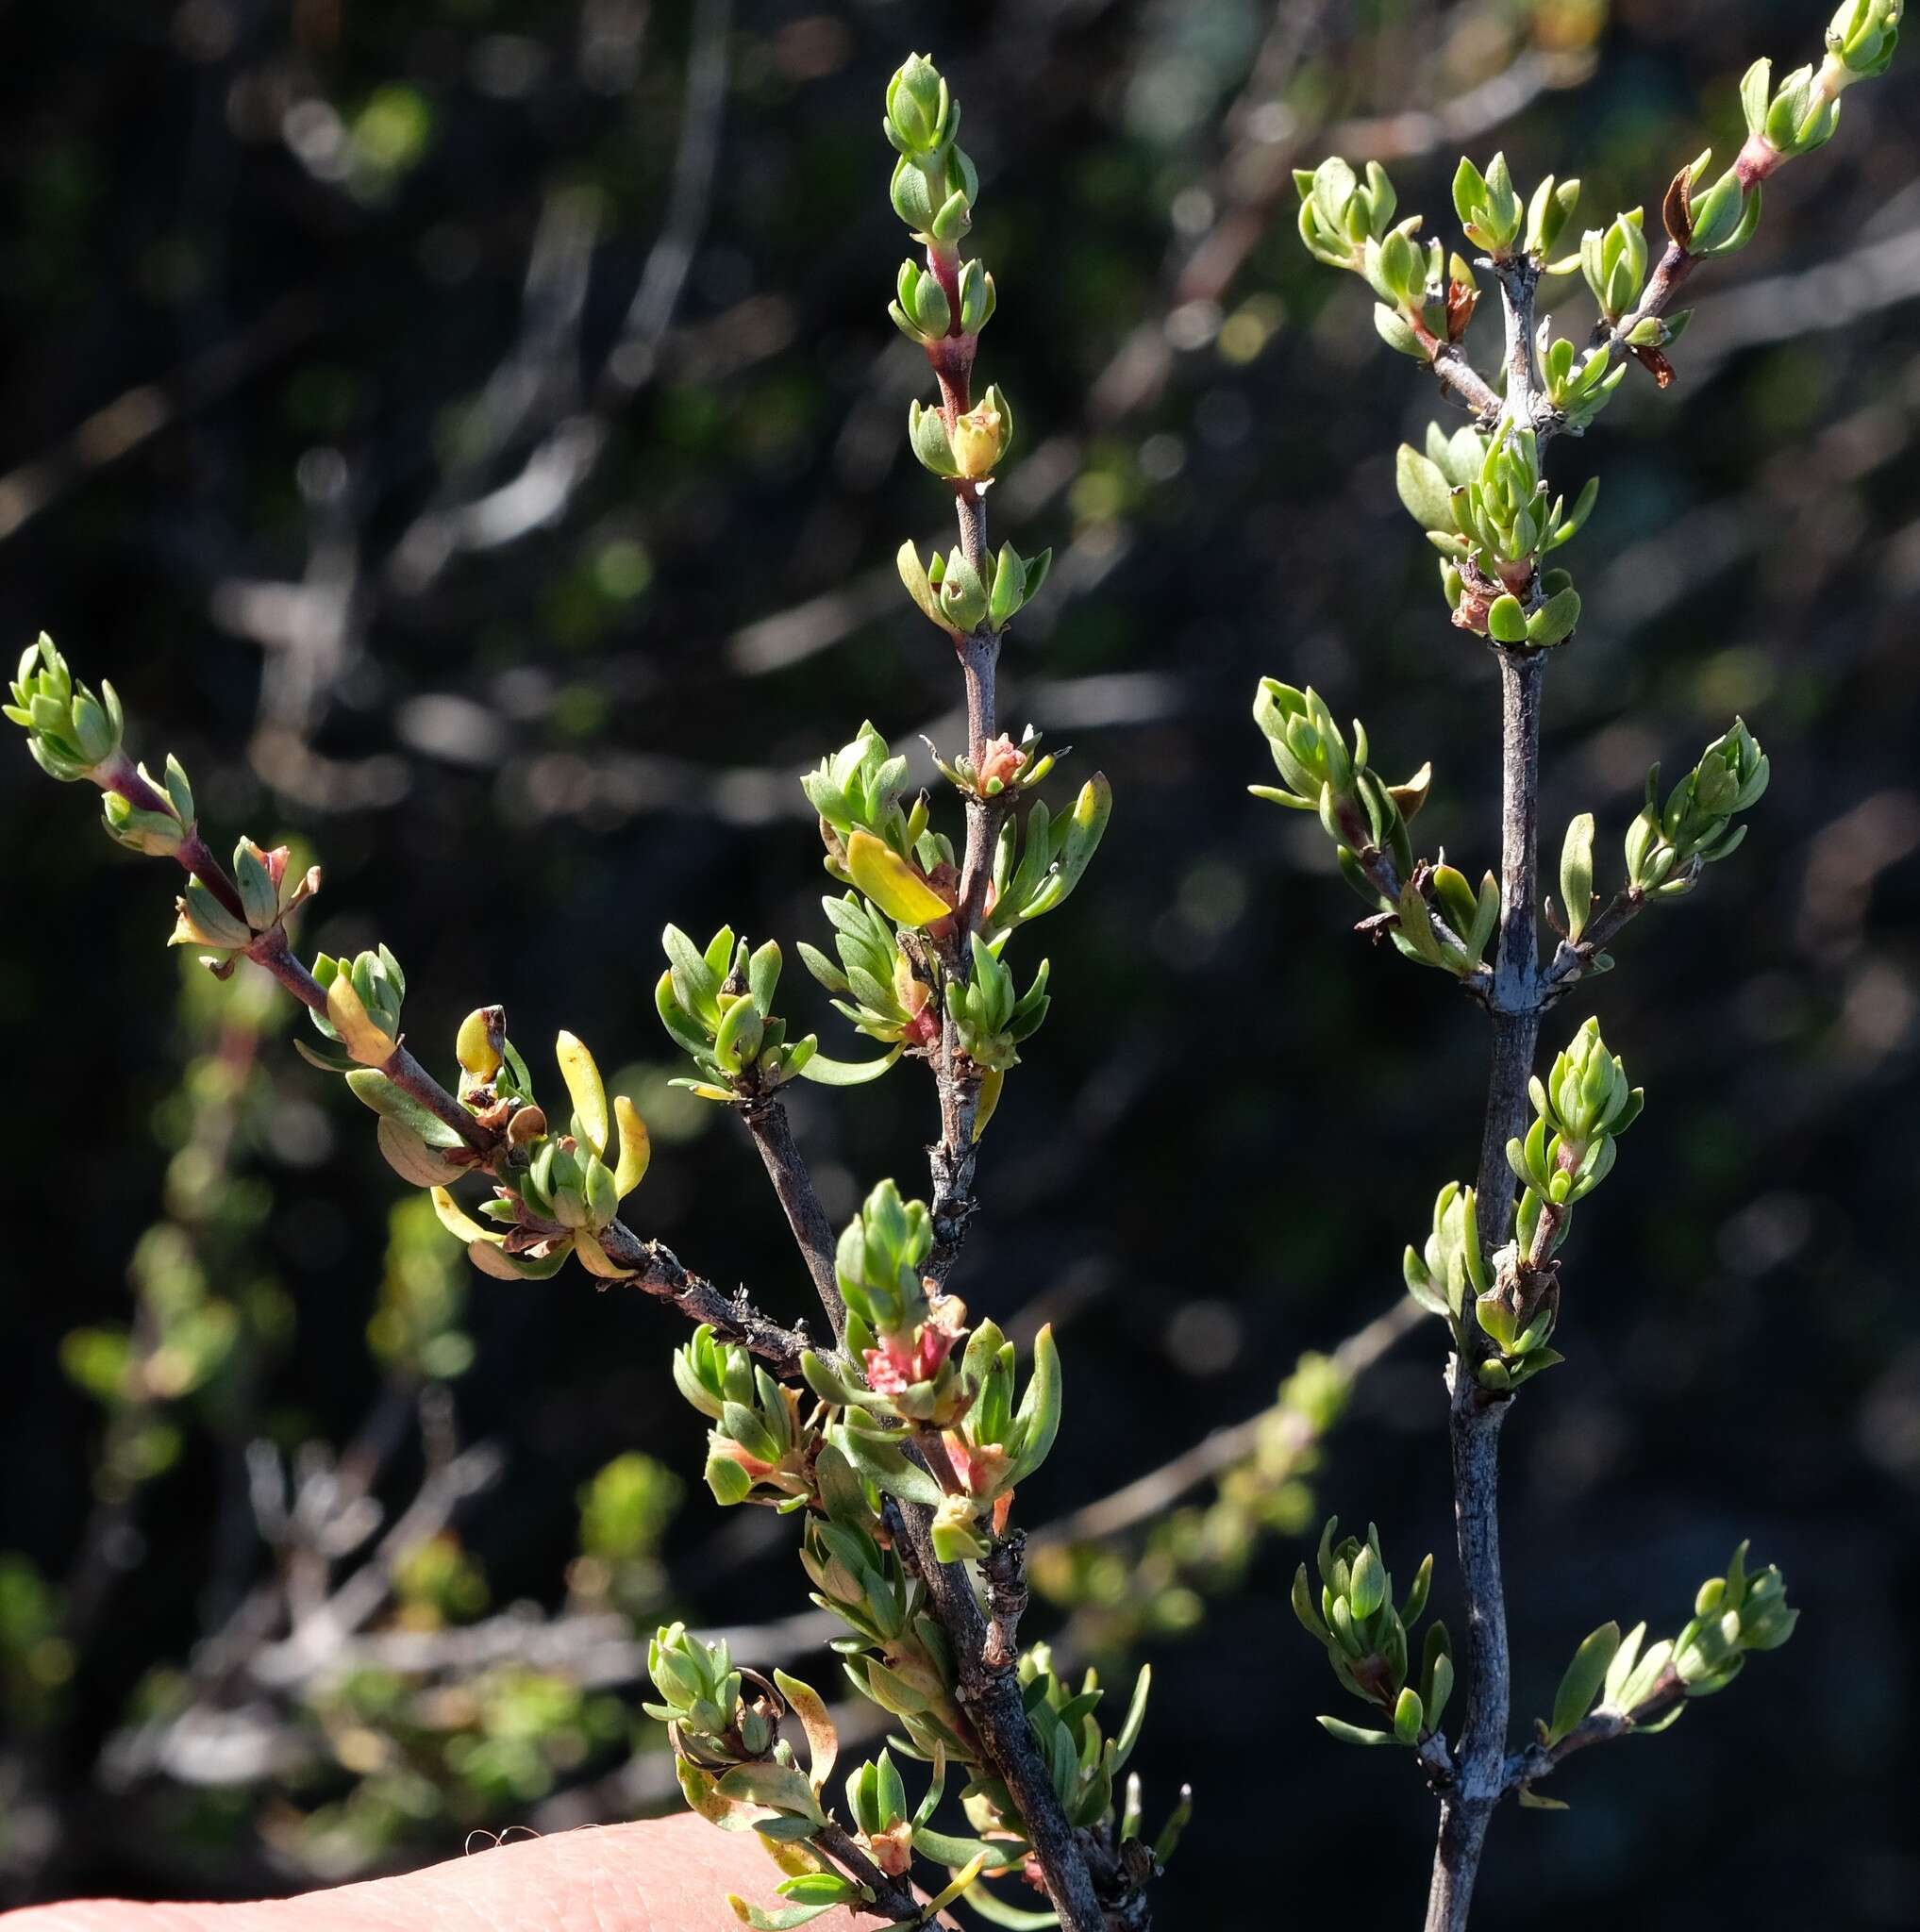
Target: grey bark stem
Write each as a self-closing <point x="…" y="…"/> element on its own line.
<point x="1514" y="999"/>
<point x="1459" y="379"/>
<point x="1466" y="1810"/>
<point x="1474" y="1416"/>
<point x="767" y="1121"/>
<point x="1518" y="278"/>
<point x="954" y="1157"/>
<point x="989" y="1695"/>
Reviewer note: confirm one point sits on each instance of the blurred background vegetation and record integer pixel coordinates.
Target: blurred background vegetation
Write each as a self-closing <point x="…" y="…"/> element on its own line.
<point x="469" y="433"/>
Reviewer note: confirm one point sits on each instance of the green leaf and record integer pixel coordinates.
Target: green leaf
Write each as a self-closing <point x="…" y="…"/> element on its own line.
<point x="1416" y="1594"/>
<point x="832" y="1072"/>
<point x="1553" y="622"/>
<point x="490" y="1258"/>
<point x="411" y="1158"/>
<point x="986" y="1904"/>
<point x="1436" y="1675"/>
<point x="945" y="1850"/>
<point x="374" y="1090"/>
<point x="763" y="976"/>
<point x="778" y="1787"/>
<point x="783" y="1919"/>
<point x="729" y="1483"/>
<point x="691" y="1039"/>
<point x="887" y="1689"/>
<point x="1136" y="1716"/>
<point x="695" y="984"/>
<point x="1366" y="1589"/>
<point x="1353" y="1734"/>
<point x="913" y="575"/>
<point x="1424" y="489"/>
<point x="1576" y="874"/>
<point x="1038" y="1417"/>
<point x="1581" y="1684"/>
<point x="1408" y="1716"/>
<point x="880" y="1462"/>
<point x="1507" y="620"/>
<point x="816" y="1887"/>
<point x="327" y="1062"/>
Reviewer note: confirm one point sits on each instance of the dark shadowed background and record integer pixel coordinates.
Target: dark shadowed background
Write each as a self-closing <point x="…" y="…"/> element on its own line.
<point x="470" y="434"/>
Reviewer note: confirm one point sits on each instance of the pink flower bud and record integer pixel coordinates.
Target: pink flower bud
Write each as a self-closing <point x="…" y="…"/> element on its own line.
<point x="893" y="1849"/>
<point x="1002" y="760"/>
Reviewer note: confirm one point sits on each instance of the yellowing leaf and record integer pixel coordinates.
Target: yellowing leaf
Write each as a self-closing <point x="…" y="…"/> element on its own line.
<point x="701" y="1793"/>
<point x="584" y="1085"/>
<point x="890" y="883"/>
<point x="474" y="1047"/>
<point x="636" y="1147"/>
<point x="365" y="1040"/>
<point x="990" y="1083"/>
<point x="823" y="1740"/>
<point x="959" y="1884"/>
<point x="594" y="1258"/>
<point x="490" y="1258"/>
<point x="456" y="1221"/>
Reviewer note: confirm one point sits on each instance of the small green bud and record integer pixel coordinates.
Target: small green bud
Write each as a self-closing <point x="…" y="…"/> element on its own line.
<point x="71" y="733"/>
<point x="1338" y="216"/>
<point x="1613" y="259"/>
<point x="1862" y="36"/>
<point x="1489" y="209"/>
<point x="921" y="311"/>
<point x="921" y="115"/>
<point x="1667" y="846"/>
<point x="1548" y="214"/>
<point x="1366" y="1589"/>
<point x="959" y="591"/>
<point x="977" y="297"/>
<point x="1015" y="581"/>
<point x="1719" y="221"/>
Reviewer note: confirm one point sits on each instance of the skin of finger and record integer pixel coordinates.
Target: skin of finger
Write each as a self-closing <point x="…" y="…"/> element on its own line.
<point x="671" y="1875"/>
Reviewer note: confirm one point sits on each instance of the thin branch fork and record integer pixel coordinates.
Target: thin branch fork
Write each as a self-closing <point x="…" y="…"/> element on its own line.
<point x="654" y="1267"/>
<point x="989" y="1695"/>
<point x="1459" y="378"/>
<point x="1575" y="958"/>
<point x="1482" y="1771"/>
<point x="984" y="1653"/>
<point x="1526" y="1768"/>
<point x="893" y="1897"/>
<point x="989" y="1690"/>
